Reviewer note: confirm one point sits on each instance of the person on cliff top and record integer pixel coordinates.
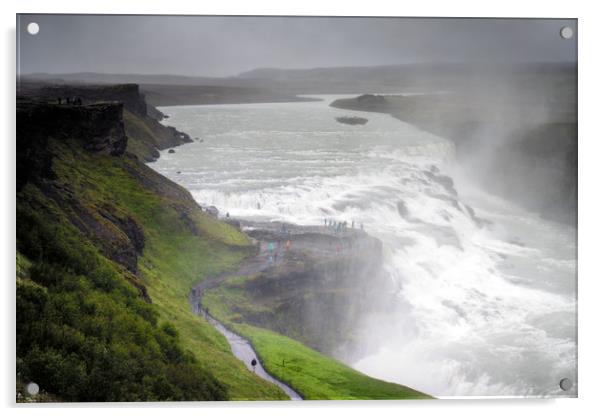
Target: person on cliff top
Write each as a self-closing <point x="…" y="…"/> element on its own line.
<point x="288" y="244"/>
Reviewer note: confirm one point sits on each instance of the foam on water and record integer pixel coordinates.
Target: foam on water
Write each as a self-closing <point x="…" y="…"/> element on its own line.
<point x="482" y="310"/>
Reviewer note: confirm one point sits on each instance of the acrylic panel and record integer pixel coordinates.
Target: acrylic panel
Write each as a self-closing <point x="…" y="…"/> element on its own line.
<point x="286" y="207"/>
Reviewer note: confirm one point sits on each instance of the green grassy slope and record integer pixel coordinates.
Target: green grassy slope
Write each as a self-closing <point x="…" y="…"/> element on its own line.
<point x="68" y="236"/>
<point x="84" y="332"/>
<point x="176" y="257"/>
<point x="314" y="375"/>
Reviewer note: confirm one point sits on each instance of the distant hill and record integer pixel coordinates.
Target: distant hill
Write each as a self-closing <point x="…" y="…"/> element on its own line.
<point x="99" y="78"/>
<point x="277" y="85"/>
<point x="419" y="77"/>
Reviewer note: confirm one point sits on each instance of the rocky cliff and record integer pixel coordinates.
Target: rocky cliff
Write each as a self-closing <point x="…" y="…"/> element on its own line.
<point x="127" y="94"/>
<point x="142" y="121"/>
<point x="98" y="127"/>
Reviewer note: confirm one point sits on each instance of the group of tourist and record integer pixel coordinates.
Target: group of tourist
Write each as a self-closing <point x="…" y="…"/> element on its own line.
<point x="70" y="101"/>
<point x="273" y="249"/>
<point x="339" y="226"/>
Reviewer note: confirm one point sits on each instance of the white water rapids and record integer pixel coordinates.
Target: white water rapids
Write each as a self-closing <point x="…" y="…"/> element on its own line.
<point x="482" y="309"/>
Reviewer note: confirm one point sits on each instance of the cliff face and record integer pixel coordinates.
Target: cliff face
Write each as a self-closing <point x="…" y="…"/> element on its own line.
<point x="127" y="94"/>
<point x="146" y="134"/>
<point x="98" y="127"/>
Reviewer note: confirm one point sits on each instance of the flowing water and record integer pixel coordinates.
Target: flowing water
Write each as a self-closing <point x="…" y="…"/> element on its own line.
<point x="486" y="299"/>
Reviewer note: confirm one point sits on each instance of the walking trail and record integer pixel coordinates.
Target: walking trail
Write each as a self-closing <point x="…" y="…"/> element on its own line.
<point x="273" y="248"/>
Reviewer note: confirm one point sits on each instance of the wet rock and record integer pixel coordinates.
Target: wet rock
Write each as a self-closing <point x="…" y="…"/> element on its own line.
<point x="480" y="222"/>
<point x="451" y="200"/>
<point x="353" y="121"/>
<point x="402" y="209"/>
<point x="443" y="180"/>
<point x="212" y="210"/>
<point x="171" y="151"/>
<point x="455" y="307"/>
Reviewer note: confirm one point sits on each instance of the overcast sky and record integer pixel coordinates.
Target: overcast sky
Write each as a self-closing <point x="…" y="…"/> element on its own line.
<point x="226" y="46"/>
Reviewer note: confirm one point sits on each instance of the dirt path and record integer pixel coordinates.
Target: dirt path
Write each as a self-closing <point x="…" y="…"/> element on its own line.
<point x="276" y="243"/>
<point x="241" y="347"/>
<point x="243" y="350"/>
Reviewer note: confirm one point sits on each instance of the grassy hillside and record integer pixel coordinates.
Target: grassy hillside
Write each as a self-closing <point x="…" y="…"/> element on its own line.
<point x="314" y="375"/>
<point x="107" y="252"/>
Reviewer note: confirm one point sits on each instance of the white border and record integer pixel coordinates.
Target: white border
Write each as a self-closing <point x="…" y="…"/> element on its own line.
<point x="590" y="189"/>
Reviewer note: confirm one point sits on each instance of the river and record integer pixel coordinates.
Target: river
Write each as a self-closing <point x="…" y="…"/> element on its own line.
<point x="486" y="290"/>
